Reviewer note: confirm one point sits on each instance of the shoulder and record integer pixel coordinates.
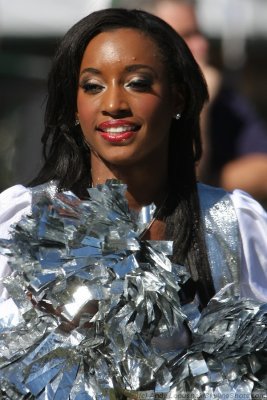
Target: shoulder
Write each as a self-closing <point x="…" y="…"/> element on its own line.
<point x="245" y="203"/>
<point x="209" y="196"/>
<point x="241" y="200"/>
<point x="247" y="209"/>
<point x="14" y="202"/>
<point x="251" y="220"/>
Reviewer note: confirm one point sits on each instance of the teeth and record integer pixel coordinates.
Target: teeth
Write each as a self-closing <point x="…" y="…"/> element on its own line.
<point x="119" y="129"/>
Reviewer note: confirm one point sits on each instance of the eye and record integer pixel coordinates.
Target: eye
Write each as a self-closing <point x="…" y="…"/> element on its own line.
<point x="140" y="84"/>
<point x="92" y="87"/>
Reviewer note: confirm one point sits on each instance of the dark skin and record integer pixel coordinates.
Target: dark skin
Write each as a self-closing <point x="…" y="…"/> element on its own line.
<point x="125" y="105"/>
<point x="135" y="194"/>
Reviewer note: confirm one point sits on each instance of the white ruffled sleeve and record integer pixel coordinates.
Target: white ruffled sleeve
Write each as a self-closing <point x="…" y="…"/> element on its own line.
<point x="252" y="220"/>
<point x="14" y="202"/>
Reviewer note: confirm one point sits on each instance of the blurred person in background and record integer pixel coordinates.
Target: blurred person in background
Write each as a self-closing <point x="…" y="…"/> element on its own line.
<point x="233" y="135"/>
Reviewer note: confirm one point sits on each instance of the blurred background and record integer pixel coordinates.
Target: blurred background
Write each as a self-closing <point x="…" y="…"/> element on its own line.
<point x="31" y="29"/>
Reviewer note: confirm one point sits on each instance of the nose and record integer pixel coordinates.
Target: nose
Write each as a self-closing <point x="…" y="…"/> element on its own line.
<point x="115" y="102"/>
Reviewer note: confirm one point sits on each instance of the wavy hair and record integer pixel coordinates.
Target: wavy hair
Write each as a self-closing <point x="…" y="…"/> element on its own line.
<point x="67" y="157"/>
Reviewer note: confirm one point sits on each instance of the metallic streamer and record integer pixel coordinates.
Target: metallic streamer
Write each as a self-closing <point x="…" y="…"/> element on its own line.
<point x="96" y="312"/>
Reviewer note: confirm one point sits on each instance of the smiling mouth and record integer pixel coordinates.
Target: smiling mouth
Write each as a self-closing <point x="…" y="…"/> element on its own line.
<point x="117" y="137"/>
<point x="114" y="130"/>
<point x="117" y="132"/>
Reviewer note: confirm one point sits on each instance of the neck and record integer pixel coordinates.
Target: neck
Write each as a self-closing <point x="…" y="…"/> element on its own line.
<point x="145" y="185"/>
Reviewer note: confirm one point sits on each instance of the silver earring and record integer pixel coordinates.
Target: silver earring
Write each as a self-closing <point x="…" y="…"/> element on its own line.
<point x="77" y="122"/>
<point x="177" y="116"/>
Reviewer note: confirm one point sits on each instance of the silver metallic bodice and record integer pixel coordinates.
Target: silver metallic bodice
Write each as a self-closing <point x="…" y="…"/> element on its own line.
<point x="222" y="235"/>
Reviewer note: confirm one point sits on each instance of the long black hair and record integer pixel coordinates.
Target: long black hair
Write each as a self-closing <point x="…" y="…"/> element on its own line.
<point x="67" y="157"/>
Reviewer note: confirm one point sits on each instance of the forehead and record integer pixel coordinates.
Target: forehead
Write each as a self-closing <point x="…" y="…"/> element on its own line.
<point x="122" y="45"/>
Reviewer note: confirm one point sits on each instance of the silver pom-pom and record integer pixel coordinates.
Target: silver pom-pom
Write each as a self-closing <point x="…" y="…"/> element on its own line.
<point x="96" y="312"/>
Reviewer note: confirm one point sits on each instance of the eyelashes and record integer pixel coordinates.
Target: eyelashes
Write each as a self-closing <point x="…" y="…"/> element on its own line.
<point x="91" y="87"/>
<point x="136" y="85"/>
<point x="140" y="85"/>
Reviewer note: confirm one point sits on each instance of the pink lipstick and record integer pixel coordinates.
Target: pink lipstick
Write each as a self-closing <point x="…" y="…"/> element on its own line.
<point x="117" y="131"/>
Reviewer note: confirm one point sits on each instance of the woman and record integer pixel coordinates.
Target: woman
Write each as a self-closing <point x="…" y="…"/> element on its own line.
<point x="103" y="123"/>
<point x="124" y="98"/>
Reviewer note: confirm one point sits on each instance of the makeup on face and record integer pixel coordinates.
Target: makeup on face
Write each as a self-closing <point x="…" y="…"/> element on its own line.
<point x="125" y="102"/>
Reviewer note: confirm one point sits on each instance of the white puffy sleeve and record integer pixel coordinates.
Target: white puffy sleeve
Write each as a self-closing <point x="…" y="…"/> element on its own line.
<point x="14" y="202"/>
<point x="252" y="220"/>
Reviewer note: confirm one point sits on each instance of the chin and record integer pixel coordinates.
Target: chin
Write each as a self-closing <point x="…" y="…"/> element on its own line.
<point x="122" y="158"/>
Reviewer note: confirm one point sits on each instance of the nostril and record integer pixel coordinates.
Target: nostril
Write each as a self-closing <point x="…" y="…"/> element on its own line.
<point x="118" y="113"/>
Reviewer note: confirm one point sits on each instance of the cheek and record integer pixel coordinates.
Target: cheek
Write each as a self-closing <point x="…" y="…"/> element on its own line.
<point x="86" y="109"/>
<point x="86" y="113"/>
<point x="154" y="110"/>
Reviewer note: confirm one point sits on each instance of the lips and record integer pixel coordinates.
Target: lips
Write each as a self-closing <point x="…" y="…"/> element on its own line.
<point x="118" y="130"/>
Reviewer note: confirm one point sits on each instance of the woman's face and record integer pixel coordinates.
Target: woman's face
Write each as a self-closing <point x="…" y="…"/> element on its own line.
<point x="125" y="102"/>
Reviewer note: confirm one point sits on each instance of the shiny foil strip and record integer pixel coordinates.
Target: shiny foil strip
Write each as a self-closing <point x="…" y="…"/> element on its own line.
<point x="95" y="312"/>
<point x="222" y="236"/>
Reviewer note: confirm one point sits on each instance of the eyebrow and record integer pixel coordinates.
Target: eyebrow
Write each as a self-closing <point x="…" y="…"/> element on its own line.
<point x="135" y="67"/>
<point x="90" y="69"/>
<point x="128" y="68"/>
